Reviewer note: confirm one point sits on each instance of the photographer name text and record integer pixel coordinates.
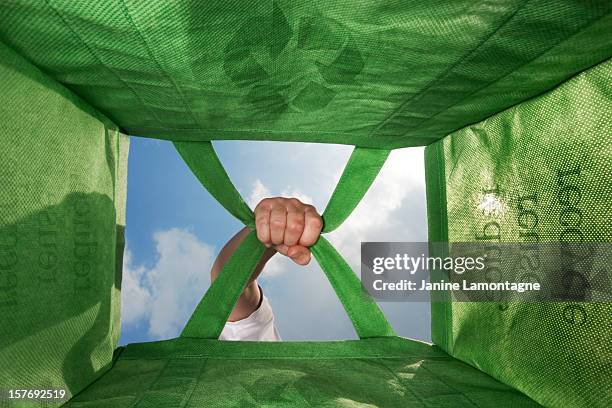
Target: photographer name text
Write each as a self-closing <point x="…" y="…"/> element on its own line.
<point x="424" y="285"/>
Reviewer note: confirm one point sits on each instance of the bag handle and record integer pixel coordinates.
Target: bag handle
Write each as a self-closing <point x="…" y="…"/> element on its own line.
<point x="211" y="314"/>
<point x="205" y="164"/>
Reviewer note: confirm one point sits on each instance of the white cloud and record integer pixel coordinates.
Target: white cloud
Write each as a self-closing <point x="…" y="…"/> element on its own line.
<point x="135" y="298"/>
<point x="163" y="296"/>
<point x="291" y="191"/>
<point x="258" y="193"/>
<point x="275" y="267"/>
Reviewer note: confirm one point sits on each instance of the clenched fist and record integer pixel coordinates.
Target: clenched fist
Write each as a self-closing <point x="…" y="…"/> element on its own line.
<point x="289" y="226"/>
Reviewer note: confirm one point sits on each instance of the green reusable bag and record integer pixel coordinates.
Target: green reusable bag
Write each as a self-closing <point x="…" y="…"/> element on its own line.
<point x="493" y="88"/>
<point x="380" y="369"/>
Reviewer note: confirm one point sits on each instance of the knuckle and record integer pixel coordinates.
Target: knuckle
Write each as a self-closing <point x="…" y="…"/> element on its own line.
<point x="263" y="204"/>
<point x="315" y="222"/>
<point x="294" y="202"/>
<point x="296" y="227"/>
<point x="307" y="242"/>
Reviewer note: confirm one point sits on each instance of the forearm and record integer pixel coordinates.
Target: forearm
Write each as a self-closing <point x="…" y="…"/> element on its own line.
<point x="250" y="297"/>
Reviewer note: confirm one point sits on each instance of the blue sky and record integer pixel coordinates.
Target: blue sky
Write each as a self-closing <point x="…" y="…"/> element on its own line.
<point x="175" y="229"/>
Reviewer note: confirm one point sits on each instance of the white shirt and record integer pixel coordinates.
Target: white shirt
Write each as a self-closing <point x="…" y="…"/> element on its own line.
<point x="258" y="326"/>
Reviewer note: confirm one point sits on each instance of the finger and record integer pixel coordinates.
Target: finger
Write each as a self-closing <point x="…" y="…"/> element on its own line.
<point x="299" y="254"/>
<point x="295" y="225"/>
<point x="262" y="225"/>
<point x="278" y="221"/>
<point x="312" y="227"/>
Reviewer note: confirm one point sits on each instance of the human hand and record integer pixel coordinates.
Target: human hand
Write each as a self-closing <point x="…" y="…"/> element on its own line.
<point x="288" y="226"/>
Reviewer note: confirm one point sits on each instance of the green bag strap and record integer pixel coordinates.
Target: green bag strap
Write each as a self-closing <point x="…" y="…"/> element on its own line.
<point x="212" y="312"/>
<point x="209" y="317"/>
<point x="367" y="318"/>
<point x="205" y="164"/>
<point x="361" y="169"/>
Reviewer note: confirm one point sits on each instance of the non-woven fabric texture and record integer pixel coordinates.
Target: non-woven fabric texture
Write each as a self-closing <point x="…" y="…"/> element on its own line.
<point x="540" y="171"/>
<point x="377" y="372"/>
<point x="373" y="74"/>
<point x="62" y="216"/>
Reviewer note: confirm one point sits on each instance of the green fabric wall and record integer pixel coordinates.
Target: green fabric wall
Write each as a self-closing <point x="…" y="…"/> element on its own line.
<point x="62" y="217"/>
<point x="545" y="156"/>
<point x="376" y="74"/>
<point x="387" y="372"/>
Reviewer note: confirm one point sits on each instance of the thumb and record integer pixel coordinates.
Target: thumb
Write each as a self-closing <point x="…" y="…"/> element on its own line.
<point x="299" y="254"/>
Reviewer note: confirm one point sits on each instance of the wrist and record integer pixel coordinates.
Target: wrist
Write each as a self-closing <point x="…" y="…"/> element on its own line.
<point x="268" y="253"/>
